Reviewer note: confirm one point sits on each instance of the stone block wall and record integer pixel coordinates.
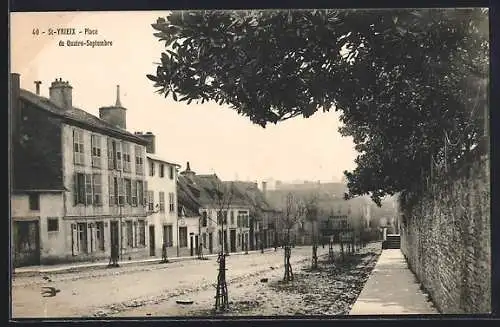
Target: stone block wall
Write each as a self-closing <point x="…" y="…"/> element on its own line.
<point x="445" y="238"/>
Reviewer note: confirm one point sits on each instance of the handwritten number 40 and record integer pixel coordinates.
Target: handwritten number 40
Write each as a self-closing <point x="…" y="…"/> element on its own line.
<point x="36" y="31"/>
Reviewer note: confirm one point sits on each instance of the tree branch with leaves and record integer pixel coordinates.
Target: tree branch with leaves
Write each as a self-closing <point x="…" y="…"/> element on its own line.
<point x="406" y="81"/>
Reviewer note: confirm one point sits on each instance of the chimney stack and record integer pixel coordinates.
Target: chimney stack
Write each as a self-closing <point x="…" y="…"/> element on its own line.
<point x="115" y="115"/>
<point x="37" y="87"/>
<point x="61" y="94"/>
<point x="151" y="146"/>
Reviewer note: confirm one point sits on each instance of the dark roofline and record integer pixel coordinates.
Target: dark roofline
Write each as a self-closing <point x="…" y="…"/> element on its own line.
<point x="110" y="130"/>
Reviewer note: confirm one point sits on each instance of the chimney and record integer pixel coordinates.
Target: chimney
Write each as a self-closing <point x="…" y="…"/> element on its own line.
<point x="151" y="146"/>
<point x="264" y="188"/>
<point x="115" y="115"/>
<point x="61" y="94"/>
<point x="37" y="87"/>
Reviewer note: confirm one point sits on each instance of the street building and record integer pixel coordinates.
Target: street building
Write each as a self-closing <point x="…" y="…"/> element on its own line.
<point x="161" y="199"/>
<point x="78" y="181"/>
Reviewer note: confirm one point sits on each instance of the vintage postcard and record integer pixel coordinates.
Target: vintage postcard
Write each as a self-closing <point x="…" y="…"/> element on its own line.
<point x="249" y="163"/>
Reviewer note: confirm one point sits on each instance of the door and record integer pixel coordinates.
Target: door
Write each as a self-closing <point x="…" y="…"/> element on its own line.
<point x="114" y="234"/>
<point x="152" y="240"/>
<point x="210" y="243"/>
<point x="191" y="245"/>
<point x="232" y="235"/>
<point x="26" y="243"/>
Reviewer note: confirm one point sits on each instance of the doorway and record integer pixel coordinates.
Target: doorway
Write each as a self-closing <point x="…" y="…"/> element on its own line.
<point x="191" y="245"/>
<point x="152" y="240"/>
<point x="210" y="243"/>
<point x="232" y="235"/>
<point x="26" y="243"/>
<point x="114" y="234"/>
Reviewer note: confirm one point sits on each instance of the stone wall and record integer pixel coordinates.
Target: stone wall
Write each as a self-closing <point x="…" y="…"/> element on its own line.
<point x="445" y="238"/>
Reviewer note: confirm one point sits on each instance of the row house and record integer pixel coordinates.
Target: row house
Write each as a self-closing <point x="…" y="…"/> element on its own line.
<point x="161" y="199"/>
<point x="223" y="212"/>
<point x="79" y="184"/>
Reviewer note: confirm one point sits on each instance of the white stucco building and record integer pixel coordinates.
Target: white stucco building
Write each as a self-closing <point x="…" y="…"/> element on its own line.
<point x="162" y="208"/>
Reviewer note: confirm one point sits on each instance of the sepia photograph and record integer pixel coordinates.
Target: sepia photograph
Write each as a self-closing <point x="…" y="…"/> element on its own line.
<point x="249" y="163"/>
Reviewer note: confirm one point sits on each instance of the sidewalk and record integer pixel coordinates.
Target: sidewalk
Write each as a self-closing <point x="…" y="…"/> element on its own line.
<point x="392" y="289"/>
<point x="102" y="264"/>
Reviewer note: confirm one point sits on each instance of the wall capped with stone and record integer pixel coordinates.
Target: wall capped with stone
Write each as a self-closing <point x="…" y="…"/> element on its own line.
<point x="445" y="237"/>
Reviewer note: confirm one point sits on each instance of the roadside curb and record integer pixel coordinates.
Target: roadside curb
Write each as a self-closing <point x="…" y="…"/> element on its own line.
<point x="26" y="272"/>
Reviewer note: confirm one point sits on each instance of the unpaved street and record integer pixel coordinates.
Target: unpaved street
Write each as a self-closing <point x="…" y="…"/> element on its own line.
<point x="118" y="291"/>
<point x="331" y="289"/>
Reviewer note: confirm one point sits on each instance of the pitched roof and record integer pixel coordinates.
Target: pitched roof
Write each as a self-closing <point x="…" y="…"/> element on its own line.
<point x="158" y="158"/>
<point x="79" y="116"/>
<point x="254" y="196"/>
<point x="186" y="198"/>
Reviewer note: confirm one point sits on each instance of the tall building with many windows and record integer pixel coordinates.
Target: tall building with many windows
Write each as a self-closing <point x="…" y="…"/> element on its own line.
<point x="79" y="182"/>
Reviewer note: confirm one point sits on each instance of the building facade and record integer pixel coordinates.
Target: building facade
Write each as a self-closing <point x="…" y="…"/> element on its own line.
<point x="224" y="219"/>
<point x="98" y="197"/>
<point x="161" y="200"/>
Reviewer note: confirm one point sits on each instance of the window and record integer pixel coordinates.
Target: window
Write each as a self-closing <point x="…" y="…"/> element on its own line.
<point x="204" y="219"/>
<point x="82" y="237"/>
<point x="151" y="168"/>
<point x="97" y="189"/>
<point x="99" y="235"/>
<point x="112" y="191"/>
<point x="140" y="193"/>
<point x="162" y="201"/>
<point x="242" y="219"/>
<point x="139" y="164"/>
<point x="171" y="172"/>
<point x="129" y="233"/>
<point x="171" y="202"/>
<point x="78" y="149"/>
<point x="79" y="188"/>
<point x="183" y="237"/>
<point x="142" y="232"/>
<point x="34" y="201"/>
<point x="162" y="170"/>
<point x="168" y="235"/>
<point x="118" y="155"/>
<point x="121" y="190"/>
<point x="96" y="150"/>
<point x="127" y="166"/>
<point x="232" y="217"/>
<point x="220" y="215"/>
<point x="52" y="225"/>
<point x="111" y="153"/>
<point x="128" y="190"/>
<point x="150" y="202"/>
<point x="88" y="189"/>
<point x="133" y="191"/>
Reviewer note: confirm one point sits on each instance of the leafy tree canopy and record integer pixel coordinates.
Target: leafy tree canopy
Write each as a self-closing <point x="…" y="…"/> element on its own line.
<point x="408" y="83"/>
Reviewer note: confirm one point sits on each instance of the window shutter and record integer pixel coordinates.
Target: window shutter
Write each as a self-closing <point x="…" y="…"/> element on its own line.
<point x="111" y="185"/>
<point x="75" y="189"/>
<point x="110" y="153"/>
<point x="145" y="193"/>
<point x="74" y="239"/>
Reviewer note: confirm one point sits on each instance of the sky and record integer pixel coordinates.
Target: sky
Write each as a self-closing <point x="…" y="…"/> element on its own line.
<point x="213" y="138"/>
